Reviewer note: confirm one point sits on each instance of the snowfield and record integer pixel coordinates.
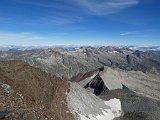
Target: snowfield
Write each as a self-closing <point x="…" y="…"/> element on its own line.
<point x="108" y="114"/>
<point x="86" y="106"/>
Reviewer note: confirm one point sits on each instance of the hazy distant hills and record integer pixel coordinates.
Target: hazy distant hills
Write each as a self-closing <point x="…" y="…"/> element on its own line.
<point x="23" y="48"/>
<point x="144" y="48"/>
<point x="73" y="47"/>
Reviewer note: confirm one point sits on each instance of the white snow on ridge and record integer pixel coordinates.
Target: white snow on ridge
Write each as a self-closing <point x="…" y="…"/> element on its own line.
<point x="86" y="106"/>
<point x="115" y="105"/>
<point x="113" y="52"/>
<point x="108" y="114"/>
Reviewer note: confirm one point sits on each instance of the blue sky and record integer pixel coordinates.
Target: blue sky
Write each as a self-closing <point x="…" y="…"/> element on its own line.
<point x="80" y="22"/>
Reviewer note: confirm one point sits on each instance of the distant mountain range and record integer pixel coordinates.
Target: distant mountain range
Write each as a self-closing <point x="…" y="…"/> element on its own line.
<point x="73" y="47"/>
<point x="69" y="62"/>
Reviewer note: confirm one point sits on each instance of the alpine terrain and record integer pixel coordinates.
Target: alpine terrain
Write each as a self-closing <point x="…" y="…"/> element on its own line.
<point x="85" y="83"/>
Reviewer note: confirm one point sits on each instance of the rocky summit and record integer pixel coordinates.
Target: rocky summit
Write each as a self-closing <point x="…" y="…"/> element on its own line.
<point x="33" y="94"/>
<point x="29" y="93"/>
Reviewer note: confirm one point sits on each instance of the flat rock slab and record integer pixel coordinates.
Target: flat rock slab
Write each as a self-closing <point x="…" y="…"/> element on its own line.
<point x="111" y="78"/>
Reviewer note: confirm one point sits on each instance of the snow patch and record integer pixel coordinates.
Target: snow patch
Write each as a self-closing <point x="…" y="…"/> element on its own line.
<point x="108" y="114"/>
<point x="113" y="51"/>
<point x="91" y="107"/>
<point x="115" y="105"/>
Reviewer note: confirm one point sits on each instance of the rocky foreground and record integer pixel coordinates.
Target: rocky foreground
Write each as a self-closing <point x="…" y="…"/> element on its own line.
<point x="27" y="93"/>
